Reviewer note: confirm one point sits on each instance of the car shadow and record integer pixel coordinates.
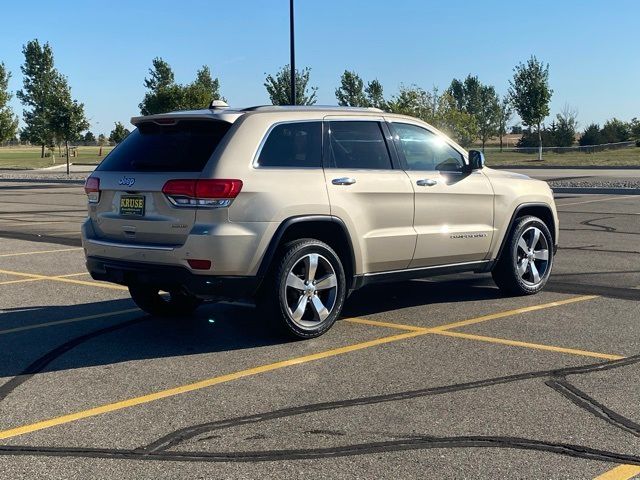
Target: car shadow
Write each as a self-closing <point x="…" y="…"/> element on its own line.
<point x="131" y="336"/>
<point x="379" y="298"/>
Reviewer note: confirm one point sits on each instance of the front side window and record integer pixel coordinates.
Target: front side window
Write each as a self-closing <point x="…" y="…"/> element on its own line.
<point x="357" y="145"/>
<point x="293" y="145"/>
<point x="424" y="150"/>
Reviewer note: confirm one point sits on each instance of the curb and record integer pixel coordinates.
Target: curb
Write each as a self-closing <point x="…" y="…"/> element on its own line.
<point x="564" y="167"/>
<point x="72" y="181"/>
<point x="597" y="190"/>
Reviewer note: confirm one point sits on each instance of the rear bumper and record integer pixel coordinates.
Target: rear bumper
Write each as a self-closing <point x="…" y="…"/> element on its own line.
<point x="167" y="277"/>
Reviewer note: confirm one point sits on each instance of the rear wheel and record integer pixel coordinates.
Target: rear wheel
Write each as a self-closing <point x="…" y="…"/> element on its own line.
<point x="525" y="264"/>
<point x="306" y="291"/>
<point x="171" y="304"/>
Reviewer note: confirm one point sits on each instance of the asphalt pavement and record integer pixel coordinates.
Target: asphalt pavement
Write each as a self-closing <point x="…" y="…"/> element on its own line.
<point x="435" y="378"/>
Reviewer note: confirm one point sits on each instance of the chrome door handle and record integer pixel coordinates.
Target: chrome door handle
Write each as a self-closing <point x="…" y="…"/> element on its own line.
<point x="343" y="181"/>
<point x="426" y="182"/>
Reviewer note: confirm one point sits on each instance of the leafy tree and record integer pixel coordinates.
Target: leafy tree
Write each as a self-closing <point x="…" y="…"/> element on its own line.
<point x="279" y="87"/>
<point x="414" y="101"/>
<point x="8" y="121"/>
<point x="119" y="133"/>
<point x="165" y="95"/>
<point x="530" y="94"/>
<point x="202" y="91"/>
<point x="102" y="141"/>
<point x="375" y="95"/>
<point x="351" y="90"/>
<point x="591" y="136"/>
<point x="504" y="115"/>
<point x="460" y="125"/>
<point x="566" y="126"/>
<point x="615" y="130"/>
<point x="467" y="94"/>
<point x="38" y="93"/>
<point x="516" y="130"/>
<point x="488" y="114"/>
<point x="634" y="125"/>
<point x="89" y="138"/>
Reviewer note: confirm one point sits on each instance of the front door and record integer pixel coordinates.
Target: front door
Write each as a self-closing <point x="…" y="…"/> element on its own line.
<point x="453" y="207"/>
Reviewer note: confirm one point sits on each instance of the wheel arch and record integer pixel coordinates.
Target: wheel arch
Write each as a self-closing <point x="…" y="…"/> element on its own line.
<point x="541" y="210"/>
<point x="326" y="228"/>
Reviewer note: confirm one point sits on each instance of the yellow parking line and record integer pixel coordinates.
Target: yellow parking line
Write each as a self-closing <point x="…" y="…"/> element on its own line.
<point x="508" y="313"/>
<point x="40" y="251"/>
<point x="9" y="282"/>
<point x="111" y="407"/>
<point x="65" y="280"/>
<point x="621" y="472"/>
<point x="92" y="412"/>
<point x="398" y="326"/>
<point x="68" y="320"/>
<point x="537" y="346"/>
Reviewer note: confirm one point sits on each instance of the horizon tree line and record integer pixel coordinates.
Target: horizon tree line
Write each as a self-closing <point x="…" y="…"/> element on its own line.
<point x="468" y="110"/>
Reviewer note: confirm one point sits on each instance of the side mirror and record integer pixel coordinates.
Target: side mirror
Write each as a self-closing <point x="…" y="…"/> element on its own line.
<point x="476" y="160"/>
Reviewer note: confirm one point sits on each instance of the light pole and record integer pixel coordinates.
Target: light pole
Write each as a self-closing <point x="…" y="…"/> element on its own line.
<point x="293" y="53"/>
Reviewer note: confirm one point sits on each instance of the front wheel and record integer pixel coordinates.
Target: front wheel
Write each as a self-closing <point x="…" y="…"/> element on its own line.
<point x="306" y="291"/>
<point x="525" y="264"/>
<point x="173" y="304"/>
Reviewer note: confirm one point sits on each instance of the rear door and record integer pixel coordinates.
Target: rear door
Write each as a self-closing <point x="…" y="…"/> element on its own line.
<point x="453" y="207"/>
<point x="132" y="207"/>
<point x="367" y="191"/>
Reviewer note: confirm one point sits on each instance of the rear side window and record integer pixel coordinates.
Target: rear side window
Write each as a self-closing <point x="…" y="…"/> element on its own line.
<point x="358" y="145"/>
<point x="183" y="147"/>
<point x="294" y="145"/>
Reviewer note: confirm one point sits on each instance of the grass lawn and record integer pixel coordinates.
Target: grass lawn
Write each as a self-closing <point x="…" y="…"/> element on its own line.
<point x="629" y="157"/>
<point x="29" y="157"/>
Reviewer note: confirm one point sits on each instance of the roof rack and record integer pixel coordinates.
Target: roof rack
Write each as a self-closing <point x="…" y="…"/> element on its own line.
<point x="259" y="108"/>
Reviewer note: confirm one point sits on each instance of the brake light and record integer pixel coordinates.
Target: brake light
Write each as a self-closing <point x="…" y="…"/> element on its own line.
<point x="92" y="189"/>
<point x="211" y="193"/>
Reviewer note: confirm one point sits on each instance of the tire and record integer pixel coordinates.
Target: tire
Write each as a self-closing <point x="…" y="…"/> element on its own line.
<point x="523" y="268"/>
<point x="297" y="306"/>
<point x="176" y="304"/>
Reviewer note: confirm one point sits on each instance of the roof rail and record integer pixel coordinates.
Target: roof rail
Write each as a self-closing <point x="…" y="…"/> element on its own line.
<point x="259" y="108"/>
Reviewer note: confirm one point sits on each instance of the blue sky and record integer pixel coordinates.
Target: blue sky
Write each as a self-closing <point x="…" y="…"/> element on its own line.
<point x="106" y="47"/>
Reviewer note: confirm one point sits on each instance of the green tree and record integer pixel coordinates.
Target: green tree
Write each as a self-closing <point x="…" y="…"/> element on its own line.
<point x="67" y="118"/>
<point x="351" y="90"/>
<point x="89" y="138"/>
<point x="467" y="94"/>
<point x="488" y="114"/>
<point x="375" y="95"/>
<point x="8" y="121"/>
<point x="163" y="94"/>
<point x="634" y="124"/>
<point x="414" y="101"/>
<point x="506" y="111"/>
<point x="614" y="131"/>
<point x="118" y="134"/>
<point x="460" y="125"/>
<point x="591" y="136"/>
<point x="566" y="126"/>
<point x="279" y="87"/>
<point x="38" y="93"/>
<point x="530" y="94"/>
<point x="201" y="92"/>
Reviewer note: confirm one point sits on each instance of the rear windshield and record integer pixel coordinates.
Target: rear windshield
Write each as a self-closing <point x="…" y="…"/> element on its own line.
<point x="183" y="147"/>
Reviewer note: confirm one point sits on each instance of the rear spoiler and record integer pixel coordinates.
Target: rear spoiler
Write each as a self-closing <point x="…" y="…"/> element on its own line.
<point x="174" y="117"/>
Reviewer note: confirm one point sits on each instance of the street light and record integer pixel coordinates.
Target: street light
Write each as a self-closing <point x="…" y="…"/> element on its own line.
<point x="293" y="54"/>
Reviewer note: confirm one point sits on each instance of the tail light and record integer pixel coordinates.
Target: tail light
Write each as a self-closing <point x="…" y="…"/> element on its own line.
<point x="212" y="193"/>
<point x="92" y="189"/>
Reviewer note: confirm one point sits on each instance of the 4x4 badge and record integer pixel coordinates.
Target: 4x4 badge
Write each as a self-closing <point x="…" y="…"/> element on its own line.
<point x="128" y="181"/>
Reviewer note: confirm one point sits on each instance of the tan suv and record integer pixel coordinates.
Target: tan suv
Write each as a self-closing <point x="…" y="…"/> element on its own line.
<point x="295" y="207"/>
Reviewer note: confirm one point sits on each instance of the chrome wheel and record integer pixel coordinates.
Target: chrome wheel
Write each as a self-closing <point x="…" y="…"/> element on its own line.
<point x="532" y="257"/>
<point x="311" y="291"/>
